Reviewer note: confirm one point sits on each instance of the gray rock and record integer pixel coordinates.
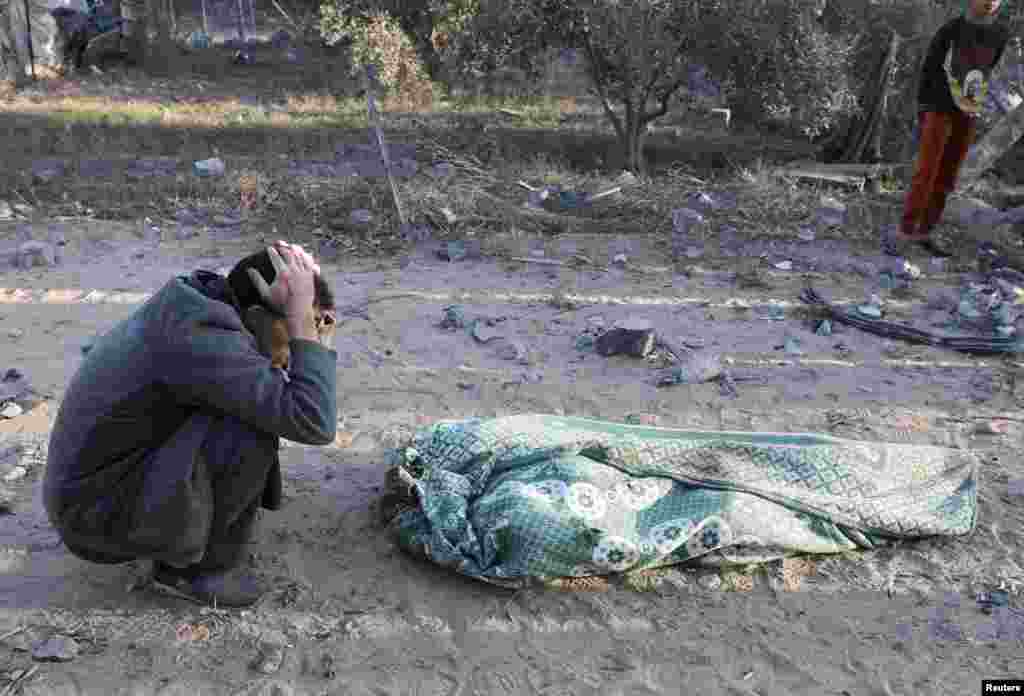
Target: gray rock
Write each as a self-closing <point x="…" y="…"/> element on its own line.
<point x="281" y="39"/>
<point x="710" y="582"/>
<point x="209" y="167"/>
<point x="635" y="337"/>
<point x="6" y="211"/>
<point x="56" y="649"/>
<point x="10" y="410"/>
<point x="31" y="254"/>
<point x="270" y="658"/>
<point x="48" y="169"/>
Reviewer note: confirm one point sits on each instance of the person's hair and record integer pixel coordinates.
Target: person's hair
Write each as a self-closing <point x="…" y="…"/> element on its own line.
<point x="245" y="290"/>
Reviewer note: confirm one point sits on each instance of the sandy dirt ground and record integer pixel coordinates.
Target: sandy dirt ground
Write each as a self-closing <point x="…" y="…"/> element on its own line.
<point x="353" y="615"/>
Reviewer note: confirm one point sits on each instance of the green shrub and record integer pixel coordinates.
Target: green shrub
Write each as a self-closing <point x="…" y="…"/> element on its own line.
<point x="375" y="38"/>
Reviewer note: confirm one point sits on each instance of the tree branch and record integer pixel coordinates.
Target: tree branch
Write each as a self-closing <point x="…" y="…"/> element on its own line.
<point x="664" y="99"/>
<point x="597" y="75"/>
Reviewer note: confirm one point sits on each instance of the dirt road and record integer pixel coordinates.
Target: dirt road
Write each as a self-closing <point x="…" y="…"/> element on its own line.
<point x="354" y="616"/>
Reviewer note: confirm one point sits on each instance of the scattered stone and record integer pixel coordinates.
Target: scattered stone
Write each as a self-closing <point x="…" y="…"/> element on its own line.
<point x="688" y="232"/>
<point x="15" y="333"/>
<point x="6" y="211"/>
<point x="784" y="265"/>
<point x="209" y="167"/>
<point x="271" y="688"/>
<point x="824" y="328"/>
<point x="871" y="311"/>
<point x="512" y="350"/>
<point x="440" y="170"/>
<point x="634" y="337"/>
<point x="31" y="254"/>
<point x="15" y="474"/>
<point x="620" y="259"/>
<point x="198" y="40"/>
<point x="806" y="234"/>
<point x="585" y="343"/>
<point x="791" y="345"/>
<point x="454" y="317"/>
<point x="11" y="410"/>
<point x="993" y="427"/>
<point x="697" y="367"/>
<point x="642" y="419"/>
<point x="711" y="582"/>
<point x="483" y="332"/>
<point x="227" y="220"/>
<point x="457" y="250"/>
<point x="270" y="658"/>
<point x="832" y="213"/>
<point x="56" y="649"/>
<point x="626" y="179"/>
<point x="150" y="167"/>
<point x="48" y="170"/>
<point x="775" y="312"/>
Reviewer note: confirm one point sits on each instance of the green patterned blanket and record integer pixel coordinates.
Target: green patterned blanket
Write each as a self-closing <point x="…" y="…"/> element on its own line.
<point x="535" y="497"/>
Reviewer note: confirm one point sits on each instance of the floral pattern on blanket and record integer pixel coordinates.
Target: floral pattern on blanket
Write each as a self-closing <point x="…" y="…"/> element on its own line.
<point x="516" y="499"/>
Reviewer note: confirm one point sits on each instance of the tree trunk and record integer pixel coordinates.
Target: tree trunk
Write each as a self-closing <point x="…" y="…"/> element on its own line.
<point x="137" y="28"/>
<point x="875" y="106"/>
<point x="1002" y="136"/>
<point x="633" y="143"/>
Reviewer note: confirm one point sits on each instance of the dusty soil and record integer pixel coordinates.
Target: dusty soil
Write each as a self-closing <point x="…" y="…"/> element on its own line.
<point x="352" y="615"/>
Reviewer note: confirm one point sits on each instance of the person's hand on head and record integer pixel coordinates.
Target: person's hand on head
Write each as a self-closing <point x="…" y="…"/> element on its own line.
<point x="292" y="292"/>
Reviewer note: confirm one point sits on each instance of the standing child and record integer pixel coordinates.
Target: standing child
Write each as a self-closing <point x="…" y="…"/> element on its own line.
<point x="954" y="83"/>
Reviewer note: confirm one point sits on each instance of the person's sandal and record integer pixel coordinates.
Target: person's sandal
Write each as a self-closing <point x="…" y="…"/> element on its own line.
<point x="896" y="244"/>
<point x="934" y="248"/>
<point x="234" y="588"/>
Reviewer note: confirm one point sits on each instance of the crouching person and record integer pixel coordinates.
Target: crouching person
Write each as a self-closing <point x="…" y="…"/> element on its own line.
<point x="166" y="442"/>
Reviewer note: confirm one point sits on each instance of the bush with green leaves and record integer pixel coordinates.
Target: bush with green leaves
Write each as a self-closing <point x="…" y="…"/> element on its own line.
<point x="788" y="69"/>
<point x="374" y="38"/>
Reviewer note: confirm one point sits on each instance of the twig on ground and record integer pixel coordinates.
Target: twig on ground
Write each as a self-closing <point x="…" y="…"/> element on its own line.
<point x="14" y="632"/>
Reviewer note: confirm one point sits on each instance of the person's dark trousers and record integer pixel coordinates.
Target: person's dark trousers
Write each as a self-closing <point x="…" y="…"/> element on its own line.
<point x="945" y="141"/>
<point x="239" y="460"/>
<point x="212" y="518"/>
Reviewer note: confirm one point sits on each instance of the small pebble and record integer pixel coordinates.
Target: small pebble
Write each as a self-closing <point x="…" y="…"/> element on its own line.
<point x="11" y="410"/>
<point x="871" y="311"/>
<point x="15" y="474"/>
<point x="710" y="582"/>
<point x="784" y="265"/>
<point x="270" y="659"/>
<point x="642" y="419"/>
<point x="993" y="427"/>
<point x="56" y="649"/>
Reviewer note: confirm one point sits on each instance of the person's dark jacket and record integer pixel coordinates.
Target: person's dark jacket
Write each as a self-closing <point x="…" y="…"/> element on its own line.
<point x="960" y="51"/>
<point x="132" y="419"/>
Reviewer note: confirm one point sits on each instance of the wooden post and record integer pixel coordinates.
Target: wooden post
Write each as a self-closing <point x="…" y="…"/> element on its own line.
<point x="31" y="48"/>
<point x="241" y="22"/>
<point x="371" y="83"/>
